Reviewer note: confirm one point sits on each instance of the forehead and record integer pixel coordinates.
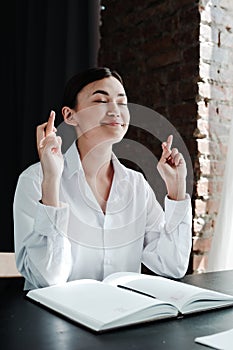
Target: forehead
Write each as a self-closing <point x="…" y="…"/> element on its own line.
<point x="110" y="84"/>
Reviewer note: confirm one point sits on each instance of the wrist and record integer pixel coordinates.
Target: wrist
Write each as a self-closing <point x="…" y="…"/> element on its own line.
<point x="50" y="193"/>
<point x="176" y="197"/>
<point x="178" y="192"/>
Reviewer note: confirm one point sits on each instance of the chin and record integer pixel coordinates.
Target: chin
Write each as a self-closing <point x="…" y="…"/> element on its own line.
<point x="117" y="139"/>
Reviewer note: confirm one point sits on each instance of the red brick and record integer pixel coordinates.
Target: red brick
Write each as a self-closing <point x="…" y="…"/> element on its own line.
<point x="163" y="59"/>
<point x="212" y="206"/>
<point x="200" y="263"/>
<point x="160" y="44"/>
<point x="201" y="245"/>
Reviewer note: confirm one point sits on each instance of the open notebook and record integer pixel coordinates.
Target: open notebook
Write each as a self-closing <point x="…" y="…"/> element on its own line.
<point x="126" y="298"/>
<point x="221" y="340"/>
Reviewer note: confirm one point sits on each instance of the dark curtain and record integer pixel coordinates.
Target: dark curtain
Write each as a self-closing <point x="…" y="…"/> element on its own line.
<point x="43" y="43"/>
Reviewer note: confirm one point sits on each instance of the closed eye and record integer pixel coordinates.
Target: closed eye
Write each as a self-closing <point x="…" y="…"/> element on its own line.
<point x="100" y="101"/>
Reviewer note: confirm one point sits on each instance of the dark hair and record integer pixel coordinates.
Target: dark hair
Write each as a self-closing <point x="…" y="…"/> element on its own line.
<point x="78" y="81"/>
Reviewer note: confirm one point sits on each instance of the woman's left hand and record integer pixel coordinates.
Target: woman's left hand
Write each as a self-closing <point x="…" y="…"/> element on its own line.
<point x="173" y="170"/>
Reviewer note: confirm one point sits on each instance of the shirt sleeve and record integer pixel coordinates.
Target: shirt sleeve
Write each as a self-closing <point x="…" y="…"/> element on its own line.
<point x="42" y="249"/>
<point x="168" y="237"/>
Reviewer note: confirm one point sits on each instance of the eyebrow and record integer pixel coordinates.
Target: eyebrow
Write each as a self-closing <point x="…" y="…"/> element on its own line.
<point x="106" y="93"/>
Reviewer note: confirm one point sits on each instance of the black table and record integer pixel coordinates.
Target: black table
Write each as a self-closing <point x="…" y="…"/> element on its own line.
<point x="25" y="325"/>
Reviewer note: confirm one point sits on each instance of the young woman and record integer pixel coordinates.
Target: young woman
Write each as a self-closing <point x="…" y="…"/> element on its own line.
<point x="85" y="215"/>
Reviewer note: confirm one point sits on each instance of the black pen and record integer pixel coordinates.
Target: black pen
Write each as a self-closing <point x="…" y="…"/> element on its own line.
<point x="136" y="291"/>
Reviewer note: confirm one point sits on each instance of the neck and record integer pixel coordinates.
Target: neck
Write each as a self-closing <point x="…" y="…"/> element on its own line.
<point x="96" y="161"/>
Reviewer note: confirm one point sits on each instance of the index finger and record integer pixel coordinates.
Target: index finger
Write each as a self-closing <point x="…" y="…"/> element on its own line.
<point x="169" y="142"/>
<point x="50" y="124"/>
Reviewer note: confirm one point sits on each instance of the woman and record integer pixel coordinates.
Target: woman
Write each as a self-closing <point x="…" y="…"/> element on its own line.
<point x="85" y="215"/>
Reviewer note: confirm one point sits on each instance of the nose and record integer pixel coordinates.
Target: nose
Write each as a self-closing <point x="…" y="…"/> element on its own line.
<point x="113" y="110"/>
<point x="113" y="114"/>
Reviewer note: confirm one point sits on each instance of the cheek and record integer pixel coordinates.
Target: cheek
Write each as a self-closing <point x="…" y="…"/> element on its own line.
<point x="89" y="118"/>
<point x="125" y="116"/>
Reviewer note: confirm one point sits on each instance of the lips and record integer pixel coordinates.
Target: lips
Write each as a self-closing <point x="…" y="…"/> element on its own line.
<point x="113" y="123"/>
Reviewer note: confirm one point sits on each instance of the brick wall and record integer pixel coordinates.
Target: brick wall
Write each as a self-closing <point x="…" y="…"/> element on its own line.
<point x="160" y="49"/>
<point x="215" y="110"/>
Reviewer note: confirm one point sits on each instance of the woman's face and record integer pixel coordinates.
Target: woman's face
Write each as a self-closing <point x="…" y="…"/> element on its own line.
<point x="102" y="111"/>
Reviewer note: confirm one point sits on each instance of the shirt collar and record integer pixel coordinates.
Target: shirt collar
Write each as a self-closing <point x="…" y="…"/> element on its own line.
<point x="74" y="164"/>
<point x="72" y="160"/>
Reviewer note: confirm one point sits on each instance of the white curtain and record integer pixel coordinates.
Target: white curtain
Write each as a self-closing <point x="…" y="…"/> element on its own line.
<point x="221" y="251"/>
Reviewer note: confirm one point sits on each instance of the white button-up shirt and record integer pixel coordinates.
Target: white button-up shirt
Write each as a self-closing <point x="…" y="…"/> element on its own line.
<point x="77" y="240"/>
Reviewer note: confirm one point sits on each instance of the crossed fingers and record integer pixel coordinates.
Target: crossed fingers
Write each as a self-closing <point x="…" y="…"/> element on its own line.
<point x="46" y="129"/>
<point x="171" y="156"/>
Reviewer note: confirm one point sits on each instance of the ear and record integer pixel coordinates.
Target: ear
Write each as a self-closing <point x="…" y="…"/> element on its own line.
<point x="70" y="116"/>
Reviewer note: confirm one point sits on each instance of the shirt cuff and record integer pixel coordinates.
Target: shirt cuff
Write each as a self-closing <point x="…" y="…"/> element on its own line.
<point x="177" y="212"/>
<point x="52" y="220"/>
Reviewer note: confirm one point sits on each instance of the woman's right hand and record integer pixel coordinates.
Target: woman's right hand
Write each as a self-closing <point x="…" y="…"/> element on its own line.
<point x="51" y="158"/>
